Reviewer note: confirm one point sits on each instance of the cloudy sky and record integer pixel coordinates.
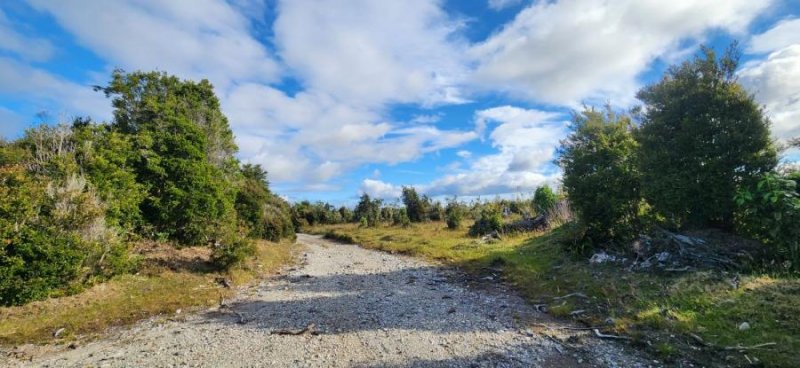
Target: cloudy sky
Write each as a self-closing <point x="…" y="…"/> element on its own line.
<point x="339" y="97"/>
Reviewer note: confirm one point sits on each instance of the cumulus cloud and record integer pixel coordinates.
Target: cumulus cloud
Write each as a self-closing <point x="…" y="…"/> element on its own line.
<point x="191" y="38"/>
<point x="784" y="33"/>
<point x="568" y="51"/>
<point x="386" y="51"/>
<point x="775" y="80"/>
<point x="526" y="140"/>
<point x="380" y="189"/>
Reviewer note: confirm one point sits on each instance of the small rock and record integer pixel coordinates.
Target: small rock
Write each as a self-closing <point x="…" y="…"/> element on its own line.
<point x="744" y="326"/>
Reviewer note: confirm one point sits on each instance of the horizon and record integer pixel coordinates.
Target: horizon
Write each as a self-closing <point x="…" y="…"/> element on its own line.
<point x="451" y="98"/>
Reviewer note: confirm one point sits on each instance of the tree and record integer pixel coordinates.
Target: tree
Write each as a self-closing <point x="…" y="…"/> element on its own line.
<point x="416" y="207"/>
<point x="601" y="175"/>
<point x="544" y="199"/>
<point x="185" y="153"/>
<point x="266" y="215"/>
<point x="702" y="138"/>
<point x="368" y="210"/>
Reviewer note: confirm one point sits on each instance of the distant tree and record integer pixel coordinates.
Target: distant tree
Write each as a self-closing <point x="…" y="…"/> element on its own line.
<point x="702" y="138"/>
<point x="416" y="207"/>
<point x="265" y="215"/>
<point x="601" y="175"/>
<point x="544" y="199"/>
<point x="454" y="214"/>
<point x="368" y="210"/>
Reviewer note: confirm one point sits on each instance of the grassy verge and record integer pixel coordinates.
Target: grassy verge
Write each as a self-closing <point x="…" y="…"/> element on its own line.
<point x="169" y="280"/>
<point x="683" y="316"/>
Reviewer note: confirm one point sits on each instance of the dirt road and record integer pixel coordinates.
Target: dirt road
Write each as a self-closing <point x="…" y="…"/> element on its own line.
<point x="345" y="306"/>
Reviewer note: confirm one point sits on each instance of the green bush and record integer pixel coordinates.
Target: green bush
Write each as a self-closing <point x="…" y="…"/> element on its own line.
<point x="702" y="138"/>
<point x="231" y="251"/>
<point x="601" y="176"/>
<point x="401" y="218"/>
<point x="769" y="211"/>
<point x="417" y="207"/>
<point x="264" y="214"/>
<point x="489" y="221"/>
<point x="544" y="199"/>
<point x="454" y="214"/>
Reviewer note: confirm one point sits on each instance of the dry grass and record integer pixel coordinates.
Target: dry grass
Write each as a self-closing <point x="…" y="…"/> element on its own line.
<point x="660" y="311"/>
<point x="169" y="279"/>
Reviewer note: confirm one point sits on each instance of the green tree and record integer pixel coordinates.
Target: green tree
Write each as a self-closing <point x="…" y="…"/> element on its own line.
<point x="601" y="175"/>
<point x="265" y="215"/>
<point x="368" y="210"/>
<point x="544" y="199"/>
<point x="185" y="153"/>
<point x="416" y="207"/>
<point x="702" y="138"/>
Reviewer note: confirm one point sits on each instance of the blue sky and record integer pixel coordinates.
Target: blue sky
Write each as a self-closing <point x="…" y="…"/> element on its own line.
<point x="335" y="98"/>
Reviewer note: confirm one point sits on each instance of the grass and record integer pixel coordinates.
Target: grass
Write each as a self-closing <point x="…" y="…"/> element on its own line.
<point x="169" y="280"/>
<point x="659" y="311"/>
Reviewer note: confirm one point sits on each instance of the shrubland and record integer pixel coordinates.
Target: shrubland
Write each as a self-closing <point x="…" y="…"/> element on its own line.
<point x="75" y="198"/>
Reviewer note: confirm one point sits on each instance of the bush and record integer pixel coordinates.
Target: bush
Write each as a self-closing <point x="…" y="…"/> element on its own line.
<point x="490" y="220"/>
<point x="231" y="251"/>
<point x="702" y="138"/>
<point x="601" y="176"/>
<point x="417" y="207"/>
<point x="265" y="215"/>
<point x="544" y="199"/>
<point x="770" y="212"/>
<point x="454" y="214"/>
<point x="401" y="218"/>
<point x="54" y="238"/>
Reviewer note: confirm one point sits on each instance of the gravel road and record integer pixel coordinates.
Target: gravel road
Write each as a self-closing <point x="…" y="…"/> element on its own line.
<point x="346" y="306"/>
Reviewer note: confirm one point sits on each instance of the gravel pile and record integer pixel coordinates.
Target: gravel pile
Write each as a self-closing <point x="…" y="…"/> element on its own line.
<point x="345" y="306"/>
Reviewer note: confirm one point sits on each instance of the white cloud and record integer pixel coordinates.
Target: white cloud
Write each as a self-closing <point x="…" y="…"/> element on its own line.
<point x="776" y="84"/>
<point x="567" y="51"/>
<point x="47" y="92"/>
<point x="526" y="140"/>
<point x="464" y="154"/>
<point x="372" y="52"/>
<point x="190" y="38"/>
<point x="29" y="48"/>
<point x="380" y="189"/>
<point x="775" y="80"/>
<point x="502" y="4"/>
<point x="784" y="33"/>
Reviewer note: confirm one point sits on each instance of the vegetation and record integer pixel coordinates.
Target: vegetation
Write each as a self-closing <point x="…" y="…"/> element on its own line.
<point x="601" y="177"/>
<point x="702" y="138"/>
<point x="74" y="197"/>
<point x="544" y="199"/>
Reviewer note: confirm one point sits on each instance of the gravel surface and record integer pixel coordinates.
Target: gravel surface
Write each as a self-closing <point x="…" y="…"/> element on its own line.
<point x="346" y="306"/>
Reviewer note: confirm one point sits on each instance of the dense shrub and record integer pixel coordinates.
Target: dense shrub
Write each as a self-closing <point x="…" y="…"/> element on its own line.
<point x="417" y="207"/>
<point x="769" y="211"/>
<point x="231" y="250"/>
<point x="368" y="210"/>
<point x="702" y="138"/>
<point x="490" y="220"/>
<point x="544" y="199"/>
<point x="401" y="218"/>
<point x="454" y="214"/>
<point x="54" y="237"/>
<point x="265" y="215"/>
<point x="601" y="176"/>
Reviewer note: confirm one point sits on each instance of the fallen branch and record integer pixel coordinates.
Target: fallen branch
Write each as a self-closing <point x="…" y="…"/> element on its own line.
<point x="308" y="330"/>
<point x="752" y="347"/>
<point x="564" y="327"/>
<point x="579" y="295"/>
<point x="604" y="336"/>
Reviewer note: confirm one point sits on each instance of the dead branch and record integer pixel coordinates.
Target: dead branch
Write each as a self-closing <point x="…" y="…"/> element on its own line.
<point x="752" y="347"/>
<point x="308" y="330"/>
<point x="579" y="295"/>
<point x="604" y="336"/>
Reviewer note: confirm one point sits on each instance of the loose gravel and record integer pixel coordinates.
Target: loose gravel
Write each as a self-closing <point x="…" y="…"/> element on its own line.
<point x="345" y="306"/>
